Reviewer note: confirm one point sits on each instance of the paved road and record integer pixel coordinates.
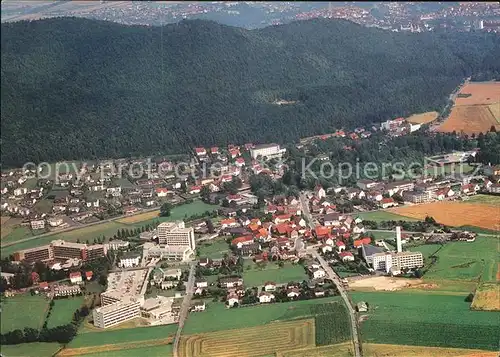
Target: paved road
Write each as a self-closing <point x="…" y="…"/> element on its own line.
<point x="335" y="278"/>
<point x="352" y="313"/>
<point x="185" y="307"/>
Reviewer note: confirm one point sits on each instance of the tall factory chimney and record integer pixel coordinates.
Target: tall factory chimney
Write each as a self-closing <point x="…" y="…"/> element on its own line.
<point x="398" y="239"/>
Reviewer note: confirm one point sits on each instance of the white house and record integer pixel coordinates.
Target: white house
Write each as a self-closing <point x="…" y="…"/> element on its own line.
<point x="75" y="278"/>
<point x="387" y="202"/>
<point x="130" y="260"/>
<point x="270" y="286"/>
<point x="199" y="306"/>
<point x="265" y="297"/>
<point x="347" y="256"/>
<point x="320" y="192"/>
<point x="201" y="284"/>
<point x="318" y="274"/>
<point x="293" y="293"/>
<point x="232" y="299"/>
<point x="326" y="248"/>
<point x="161" y="192"/>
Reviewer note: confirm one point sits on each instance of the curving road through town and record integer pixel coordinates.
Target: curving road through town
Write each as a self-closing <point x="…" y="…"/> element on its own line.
<point x="335" y="279"/>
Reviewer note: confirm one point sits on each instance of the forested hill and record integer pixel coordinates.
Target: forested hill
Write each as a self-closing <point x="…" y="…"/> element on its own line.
<point x="76" y="88"/>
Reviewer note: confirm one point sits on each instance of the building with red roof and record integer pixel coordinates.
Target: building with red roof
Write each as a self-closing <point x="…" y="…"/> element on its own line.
<point x="241" y="241"/>
<point x="362" y="241"/>
<point x="200" y="151"/>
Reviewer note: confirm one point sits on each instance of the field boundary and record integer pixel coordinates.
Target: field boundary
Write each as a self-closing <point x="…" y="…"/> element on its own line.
<point x="79" y="351"/>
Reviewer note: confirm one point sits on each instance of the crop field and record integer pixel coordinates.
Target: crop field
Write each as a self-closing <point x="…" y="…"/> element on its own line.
<point x="22" y="311"/>
<point x="118" y="348"/>
<point x="250" y="342"/>
<point x="485" y="200"/>
<point x="217" y="317"/>
<point x="477" y="112"/>
<point x="495" y="110"/>
<point x="481" y="93"/>
<point x="422" y="118"/>
<point x="140" y="217"/>
<point x="120" y="336"/>
<point x="464" y="260"/>
<point x="453" y="214"/>
<point x="427" y="320"/>
<point x="332" y="323"/>
<point x="213" y="249"/>
<point x="487" y="297"/>
<point x="272" y="272"/>
<point x="154" y="351"/>
<point x="383" y="216"/>
<point x="381" y="350"/>
<point x="62" y="312"/>
<point x="469" y="119"/>
<point x="42" y="349"/>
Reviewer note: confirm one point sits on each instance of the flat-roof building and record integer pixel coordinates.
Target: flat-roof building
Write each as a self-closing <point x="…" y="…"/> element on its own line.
<point x="42" y="254"/>
<point x="176" y="234"/>
<point x="394" y="262"/>
<point x="115" y="313"/>
<point x="266" y="150"/>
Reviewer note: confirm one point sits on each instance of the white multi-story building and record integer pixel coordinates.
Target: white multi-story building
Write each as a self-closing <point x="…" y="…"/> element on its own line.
<point x="130" y="260"/>
<point x="176" y="234"/>
<point x="177" y="253"/>
<point x="37" y="224"/>
<point x="117" y="244"/>
<point x="267" y="150"/>
<point x="394" y="262"/>
<point x="115" y="313"/>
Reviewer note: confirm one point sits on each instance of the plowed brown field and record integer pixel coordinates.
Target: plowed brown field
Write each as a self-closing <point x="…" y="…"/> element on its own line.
<point x="476" y="113"/>
<point x="469" y="119"/>
<point x="481" y="93"/>
<point x="454" y="213"/>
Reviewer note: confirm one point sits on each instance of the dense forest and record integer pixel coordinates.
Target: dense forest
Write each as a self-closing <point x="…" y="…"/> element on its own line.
<point x="76" y="88"/>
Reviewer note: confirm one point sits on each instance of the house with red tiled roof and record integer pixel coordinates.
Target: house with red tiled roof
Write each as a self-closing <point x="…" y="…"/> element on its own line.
<point x="239" y="162"/>
<point x="388" y="202"/>
<point x="194" y="189"/>
<point x="241" y="241"/>
<point x="43" y="285"/>
<point x="200" y="151"/>
<point x="282" y="218"/>
<point x="340" y="246"/>
<point x="214" y="150"/>
<point x="161" y="192"/>
<point x="321" y="231"/>
<point x="346" y="256"/>
<point x="234" y="153"/>
<point x="89" y="274"/>
<point x="230" y="222"/>
<point x="363" y="241"/>
<point x="282" y="229"/>
<point x="75" y="277"/>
